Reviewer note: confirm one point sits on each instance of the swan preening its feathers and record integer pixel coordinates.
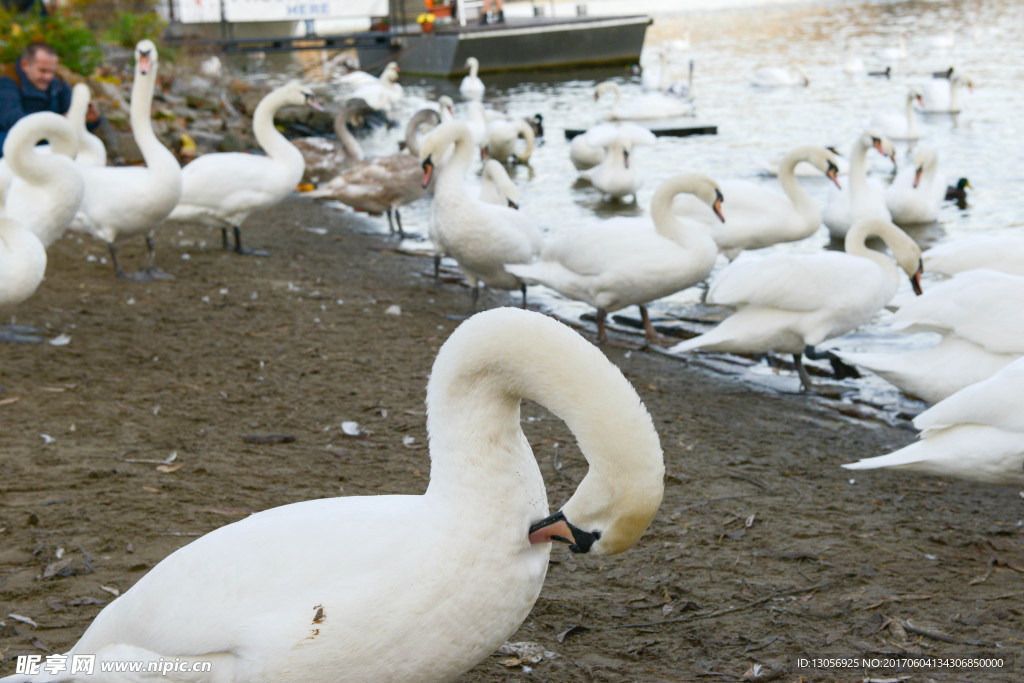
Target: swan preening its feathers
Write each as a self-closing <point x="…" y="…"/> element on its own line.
<point x="790" y="303"/>
<point x="326" y="593"/>
<point x="977" y="434"/>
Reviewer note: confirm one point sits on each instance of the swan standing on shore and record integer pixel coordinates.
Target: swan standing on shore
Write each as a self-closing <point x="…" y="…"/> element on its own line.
<point x="220" y="190"/>
<point x="471" y="87"/>
<point x="760" y="217"/>
<point x="917" y="192"/>
<point x="790" y="303"/>
<point x="133" y="200"/>
<point x="411" y="587"/>
<point x="612" y="266"/>
<point x="46" y="188"/>
<point x="22" y="267"/>
<point x="482" y="237"/>
<point x="863" y="197"/>
<point x="977" y="313"/>
<point x="618" y="175"/>
<point x="977" y="434"/>
<point x="383" y="184"/>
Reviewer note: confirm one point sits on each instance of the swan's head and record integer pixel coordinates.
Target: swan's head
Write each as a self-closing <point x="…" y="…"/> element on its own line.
<point x="822" y="158"/>
<point x="446" y="104"/>
<point x="296" y="94"/>
<point x="472" y="63"/>
<point x="882" y="144"/>
<point x="145" y="57"/>
<point x="803" y="73"/>
<point x="437" y="141"/>
<point x="957" y="80"/>
<point x="700" y="186"/>
<point x="604" y="87"/>
<point x="923" y="158"/>
<point x="914" y="94"/>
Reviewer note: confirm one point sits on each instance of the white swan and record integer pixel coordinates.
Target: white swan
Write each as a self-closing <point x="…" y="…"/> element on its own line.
<point x="471" y="87"/>
<point x="91" y="150"/>
<point x="662" y="79"/>
<point x="917" y="192"/>
<point x="642" y="107"/>
<point x="133" y="200"/>
<point x="977" y="314"/>
<point x="383" y="184"/>
<point x="1004" y="253"/>
<point x="46" y="188"/>
<point x="220" y="190"/>
<point x="942" y="95"/>
<point x="863" y="197"/>
<point x="482" y="237"/>
<point x="757" y="216"/>
<point x="977" y="434"/>
<point x="411" y="587"/>
<point x="496" y="187"/>
<point x="899" y="126"/>
<point x="617" y="175"/>
<point x="503" y="134"/>
<point x="790" y="302"/>
<point x="22" y="264"/>
<point x="611" y="267"/>
<point x="385" y="94"/>
<point x="895" y="53"/>
<point x="584" y="155"/>
<point x="780" y="76"/>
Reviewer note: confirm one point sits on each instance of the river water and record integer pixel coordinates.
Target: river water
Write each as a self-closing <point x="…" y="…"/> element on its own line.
<point x="983" y="39"/>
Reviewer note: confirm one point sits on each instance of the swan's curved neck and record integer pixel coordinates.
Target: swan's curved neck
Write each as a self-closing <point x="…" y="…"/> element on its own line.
<point x="32" y="166"/>
<point x="858" y="168"/>
<point x="688" y="235"/>
<point x="856" y="243"/>
<point x="76" y="116"/>
<point x="453" y="173"/>
<point x="270" y="139"/>
<point x="425" y="117"/>
<point x="474" y="69"/>
<point x="483" y="373"/>
<point x="911" y="119"/>
<point x="348" y="141"/>
<point x="157" y="156"/>
<point x="787" y="179"/>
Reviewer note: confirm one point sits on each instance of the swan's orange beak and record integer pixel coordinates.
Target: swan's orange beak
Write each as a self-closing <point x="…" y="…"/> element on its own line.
<point x="717" y="206"/>
<point x="311" y="101"/>
<point x="512" y="204"/>
<point x="915" y="279"/>
<point x="428" y="171"/>
<point x="833" y="174"/>
<point x="557" y="528"/>
<point x="917" y="176"/>
<point x="145" y="63"/>
<point x="920" y="100"/>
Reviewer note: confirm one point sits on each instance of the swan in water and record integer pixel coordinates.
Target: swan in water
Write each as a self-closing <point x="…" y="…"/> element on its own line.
<point x="584" y="155"/>
<point x="483" y="238"/>
<point x="916" y="194"/>
<point x="220" y="190"/>
<point x="863" y="197"/>
<point x="612" y="266"/>
<point x="471" y="87"/>
<point x="133" y="200"/>
<point x="899" y="126"/>
<point x="977" y="434"/>
<point x="661" y="79"/>
<point x="790" y="303"/>
<point x="411" y="587"/>
<point x="617" y="175"/>
<point x="46" y="188"/>
<point x="91" y="150"/>
<point x="503" y="134"/>
<point x="977" y="315"/>
<point x="758" y="216"/>
<point x="383" y="184"/>
<point x="1004" y="253"/>
<point x="642" y="107"/>
<point x="942" y="95"/>
<point x="780" y="76"/>
<point x="383" y="95"/>
<point x="22" y="266"/>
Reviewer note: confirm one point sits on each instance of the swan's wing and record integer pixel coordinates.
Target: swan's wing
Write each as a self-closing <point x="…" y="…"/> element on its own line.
<point x="796" y="282"/>
<point x="998" y="252"/>
<point x="997" y="402"/>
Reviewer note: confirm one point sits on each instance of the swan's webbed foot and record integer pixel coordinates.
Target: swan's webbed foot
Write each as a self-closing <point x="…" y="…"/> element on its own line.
<point x="246" y="251"/>
<point x="807" y="385"/>
<point x="149" y="274"/>
<point x="652" y="336"/>
<point x="20" y="334"/>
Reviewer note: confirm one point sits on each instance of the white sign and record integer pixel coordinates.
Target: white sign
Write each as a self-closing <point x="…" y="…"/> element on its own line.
<point x="203" y="11"/>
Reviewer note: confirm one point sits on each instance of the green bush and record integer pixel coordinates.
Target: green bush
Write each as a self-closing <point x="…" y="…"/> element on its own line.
<point x="70" y="37"/>
<point x="131" y="27"/>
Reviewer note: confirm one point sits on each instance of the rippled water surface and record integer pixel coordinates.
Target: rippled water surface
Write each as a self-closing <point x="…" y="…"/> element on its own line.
<point x="754" y="125"/>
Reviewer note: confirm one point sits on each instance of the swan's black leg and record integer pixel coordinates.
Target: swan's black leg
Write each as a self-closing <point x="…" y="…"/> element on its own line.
<point x="151" y="271"/>
<point x="398" y="220"/>
<point x="805" y="379"/>
<point x="437" y="270"/>
<point x="246" y="251"/>
<point x="840" y="369"/>
<point x="602" y="334"/>
<point x="225" y="241"/>
<point x="474" y="295"/>
<point x="391" y="224"/>
<point x="522" y="288"/>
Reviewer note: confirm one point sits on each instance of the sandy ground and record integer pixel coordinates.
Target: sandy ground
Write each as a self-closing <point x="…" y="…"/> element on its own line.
<point x="764" y="550"/>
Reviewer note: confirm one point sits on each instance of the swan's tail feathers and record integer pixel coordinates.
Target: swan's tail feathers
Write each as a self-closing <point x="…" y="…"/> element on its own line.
<point x="878" y="363"/>
<point x="905" y="457"/>
<point x="689" y="345"/>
